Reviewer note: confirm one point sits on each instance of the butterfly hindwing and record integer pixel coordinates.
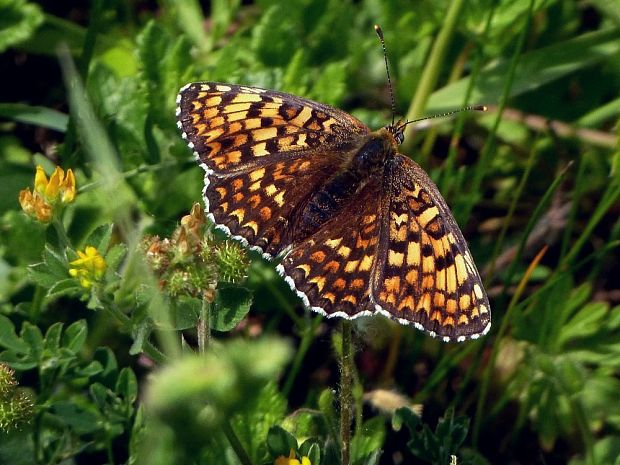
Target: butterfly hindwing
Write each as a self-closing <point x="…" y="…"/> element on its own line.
<point x="331" y="269"/>
<point x="425" y="273"/>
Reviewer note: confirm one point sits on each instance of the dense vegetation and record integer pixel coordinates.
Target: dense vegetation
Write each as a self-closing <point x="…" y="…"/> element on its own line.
<point x="130" y="332"/>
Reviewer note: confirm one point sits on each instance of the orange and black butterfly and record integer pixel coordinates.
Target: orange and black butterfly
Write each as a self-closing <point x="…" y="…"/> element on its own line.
<point x="360" y="228"/>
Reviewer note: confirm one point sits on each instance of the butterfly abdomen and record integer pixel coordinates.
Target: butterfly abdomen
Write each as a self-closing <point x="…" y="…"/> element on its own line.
<point x="336" y="192"/>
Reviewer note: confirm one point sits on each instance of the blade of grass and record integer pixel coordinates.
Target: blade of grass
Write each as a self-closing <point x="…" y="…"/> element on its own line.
<point x="485" y="156"/>
<point x="307" y="335"/>
<point x="499" y="243"/>
<point x="190" y="19"/>
<point x="600" y="114"/>
<point x="576" y="195"/>
<point x="448" y="171"/>
<point x="38" y="116"/>
<point x="430" y="75"/>
<point x="538" y="211"/>
<point x="610" y="196"/>
<point x="536" y="68"/>
<point x="486" y="377"/>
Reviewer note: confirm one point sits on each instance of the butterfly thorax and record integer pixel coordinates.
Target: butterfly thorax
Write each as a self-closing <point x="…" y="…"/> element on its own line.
<point x="365" y="161"/>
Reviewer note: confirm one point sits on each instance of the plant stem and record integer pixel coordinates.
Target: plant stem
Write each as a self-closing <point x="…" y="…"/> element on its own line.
<point x="346" y="395"/>
<point x="430" y="75"/>
<point x="204" y="326"/>
<point x="233" y="439"/>
<point x="63" y="239"/>
<point x="307" y="336"/>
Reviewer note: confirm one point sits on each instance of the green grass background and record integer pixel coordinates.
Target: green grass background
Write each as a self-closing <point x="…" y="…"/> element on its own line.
<point x="534" y="184"/>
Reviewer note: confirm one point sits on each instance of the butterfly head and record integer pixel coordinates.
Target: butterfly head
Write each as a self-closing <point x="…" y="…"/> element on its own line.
<point x="397" y="130"/>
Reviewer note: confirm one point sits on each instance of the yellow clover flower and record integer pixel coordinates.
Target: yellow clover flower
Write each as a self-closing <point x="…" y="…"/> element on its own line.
<point x="58" y="187"/>
<point x="39" y="203"/>
<point x="89" y="268"/>
<point x="35" y="206"/>
<point x="291" y="460"/>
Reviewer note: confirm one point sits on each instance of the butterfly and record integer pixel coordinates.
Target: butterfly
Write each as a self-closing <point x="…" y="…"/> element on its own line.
<point x="360" y="228"/>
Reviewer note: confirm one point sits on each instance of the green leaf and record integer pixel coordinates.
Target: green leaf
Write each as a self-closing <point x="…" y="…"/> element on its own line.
<point x="405" y="416"/>
<point x="8" y="338"/>
<point x="435" y="447"/>
<point x="90" y="370"/>
<point x="17" y="448"/>
<point x="535" y="69"/>
<point x="100" y="238"/>
<point x="587" y="322"/>
<point x="368" y="441"/>
<point x="37" y="116"/>
<point x="18" y="21"/>
<point x="63" y="287"/>
<point x="80" y="416"/>
<point x="372" y="458"/>
<point x="74" y="336"/>
<point x="253" y="424"/>
<point x="52" y="337"/>
<point x="274" y="33"/>
<point x="280" y="442"/>
<point x="232" y="304"/>
<point x="185" y="311"/>
<point x="330" y="87"/>
<point x="228" y="379"/>
<point x="127" y="385"/>
<point x="310" y="448"/>
<point x="33" y="337"/>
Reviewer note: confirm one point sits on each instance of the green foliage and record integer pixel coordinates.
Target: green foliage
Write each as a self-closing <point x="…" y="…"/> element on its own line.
<point x="196" y="396"/>
<point x="19" y="20"/>
<point x="433" y="447"/>
<point x="162" y="306"/>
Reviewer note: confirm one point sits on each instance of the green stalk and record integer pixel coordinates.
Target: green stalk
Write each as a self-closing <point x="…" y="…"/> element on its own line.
<point x="499" y="243"/>
<point x="203" y="327"/>
<point x="534" y="217"/>
<point x="235" y="443"/>
<point x="63" y="239"/>
<point x="485" y="156"/>
<point x="307" y="336"/>
<point x="346" y="393"/>
<point x="430" y="75"/>
<point x="503" y="328"/>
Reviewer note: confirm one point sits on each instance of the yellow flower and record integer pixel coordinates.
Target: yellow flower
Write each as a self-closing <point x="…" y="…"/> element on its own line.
<point x="291" y="460"/>
<point x="40" y="203"/>
<point x="59" y="186"/>
<point x="89" y="267"/>
<point x="35" y="206"/>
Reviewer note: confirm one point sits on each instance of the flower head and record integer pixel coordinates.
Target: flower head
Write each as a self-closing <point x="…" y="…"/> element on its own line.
<point x="59" y="187"/>
<point x="35" y="206"/>
<point x="292" y="460"/>
<point x="16" y="404"/>
<point x="89" y="268"/>
<point x="48" y="193"/>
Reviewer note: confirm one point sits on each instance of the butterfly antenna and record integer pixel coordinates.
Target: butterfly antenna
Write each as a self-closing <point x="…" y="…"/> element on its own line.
<point x="387" y="69"/>
<point x="443" y="115"/>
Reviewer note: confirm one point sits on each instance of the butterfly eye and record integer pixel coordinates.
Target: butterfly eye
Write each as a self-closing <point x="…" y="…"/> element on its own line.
<point x="400" y="137"/>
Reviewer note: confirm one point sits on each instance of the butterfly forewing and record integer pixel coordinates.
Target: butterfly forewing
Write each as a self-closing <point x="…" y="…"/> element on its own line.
<point x="425" y="273"/>
<point x="230" y="127"/>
